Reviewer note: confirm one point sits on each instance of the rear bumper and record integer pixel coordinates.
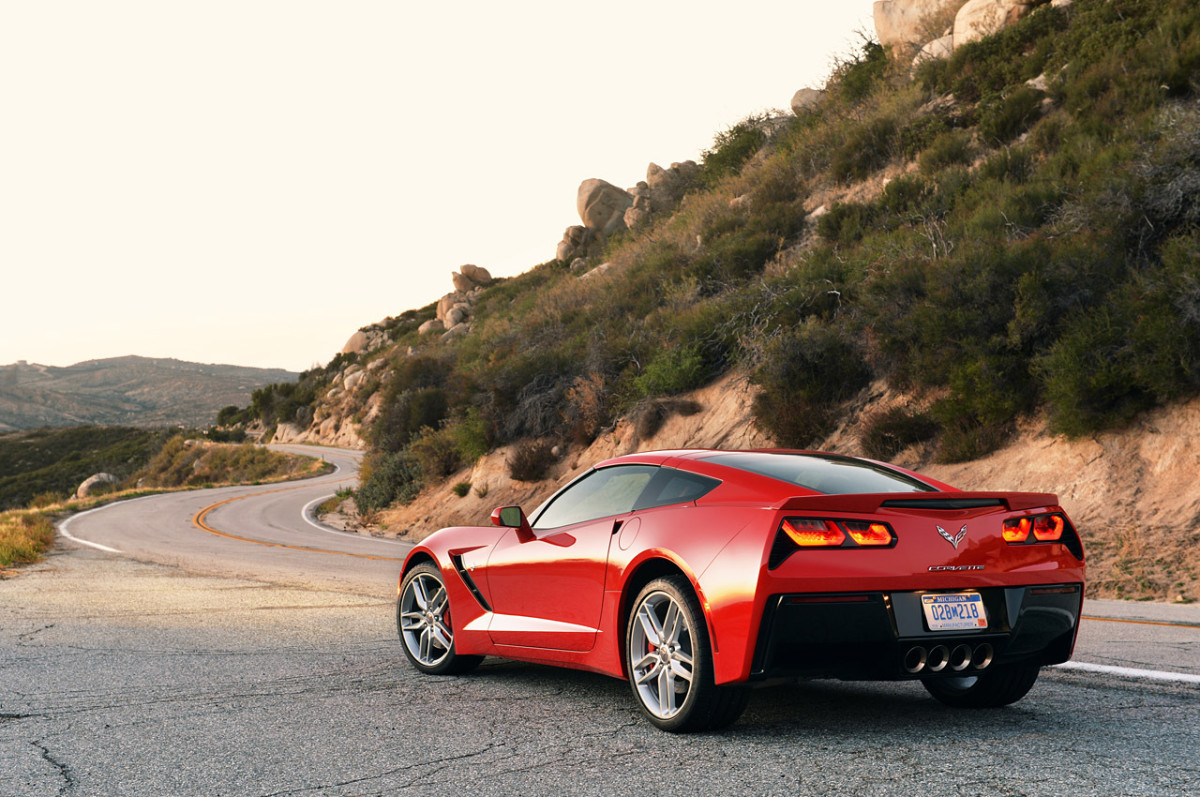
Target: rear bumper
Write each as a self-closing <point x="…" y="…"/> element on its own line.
<point x="884" y="635"/>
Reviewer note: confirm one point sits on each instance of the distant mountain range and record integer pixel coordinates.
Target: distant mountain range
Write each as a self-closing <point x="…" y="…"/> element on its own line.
<point x="126" y="391"/>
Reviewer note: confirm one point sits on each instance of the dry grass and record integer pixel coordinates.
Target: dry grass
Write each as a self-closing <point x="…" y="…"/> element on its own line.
<point x="1143" y="563"/>
<point x="24" y="537"/>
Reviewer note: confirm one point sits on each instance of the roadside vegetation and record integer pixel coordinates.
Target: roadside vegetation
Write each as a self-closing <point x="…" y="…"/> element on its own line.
<point x="1010" y="231"/>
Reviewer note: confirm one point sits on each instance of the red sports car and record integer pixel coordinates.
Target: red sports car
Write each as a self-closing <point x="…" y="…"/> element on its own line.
<point x="694" y="573"/>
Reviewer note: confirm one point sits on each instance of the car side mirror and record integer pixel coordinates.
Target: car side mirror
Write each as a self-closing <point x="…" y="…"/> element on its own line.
<point x="513" y="517"/>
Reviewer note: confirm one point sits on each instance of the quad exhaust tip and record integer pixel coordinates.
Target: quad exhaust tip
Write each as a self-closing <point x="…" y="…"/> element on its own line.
<point x="936" y="659"/>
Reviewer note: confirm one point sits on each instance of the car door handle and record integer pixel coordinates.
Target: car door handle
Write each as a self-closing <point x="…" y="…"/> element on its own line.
<point x="617" y="526"/>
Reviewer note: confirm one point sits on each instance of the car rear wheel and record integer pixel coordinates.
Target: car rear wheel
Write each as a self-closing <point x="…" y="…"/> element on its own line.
<point x="998" y="686"/>
<point x="669" y="661"/>
<point x="425" y="626"/>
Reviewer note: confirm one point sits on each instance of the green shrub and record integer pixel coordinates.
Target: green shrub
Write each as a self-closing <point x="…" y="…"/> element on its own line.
<point x="887" y="433"/>
<point x="949" y="149"/>
<point x="845" y="223"/>
<point x="461" y="489"/>
<point x="803" y="376"/>
<point x="403" y="415"/>
<point x="903" y="194"/>
<point x="394" y="478"/>
<point x="732" y="148"/>
<point x="1004" y="117"/>
<point x="673" y="370"/>
<point x="867" y="148"/>
<point x="435" y="453"/>
<point x="530" y="461"/>
<point x="471" y="436"/>
<point x="857" y="77"/>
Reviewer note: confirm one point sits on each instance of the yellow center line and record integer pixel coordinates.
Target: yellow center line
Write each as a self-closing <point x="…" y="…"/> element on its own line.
<point x="200" y="522"/>
<point x="1140" y="622"/>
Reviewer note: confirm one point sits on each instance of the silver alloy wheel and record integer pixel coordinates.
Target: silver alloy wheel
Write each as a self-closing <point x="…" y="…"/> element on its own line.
<point x="661" y="652"/>
<point x="424" y="621"/>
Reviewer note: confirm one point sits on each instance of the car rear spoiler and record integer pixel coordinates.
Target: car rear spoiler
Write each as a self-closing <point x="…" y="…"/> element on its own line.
<point x="867" y="503"/>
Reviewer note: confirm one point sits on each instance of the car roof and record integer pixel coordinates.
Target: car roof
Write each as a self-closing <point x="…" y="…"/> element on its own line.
<point x="728" y="465"/>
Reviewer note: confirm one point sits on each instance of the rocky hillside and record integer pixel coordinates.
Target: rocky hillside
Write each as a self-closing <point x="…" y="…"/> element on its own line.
<point x="125" y="391"/>
<point x="972" y="250"/>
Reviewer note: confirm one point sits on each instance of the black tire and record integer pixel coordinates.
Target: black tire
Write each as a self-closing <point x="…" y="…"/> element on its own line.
<point x="705" y="706"/>
<point x="428" y="638"/>
<point x="997" y="687"/>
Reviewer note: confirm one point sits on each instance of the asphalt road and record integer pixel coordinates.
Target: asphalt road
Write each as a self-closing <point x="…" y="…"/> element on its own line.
<point x="150" y="677"/>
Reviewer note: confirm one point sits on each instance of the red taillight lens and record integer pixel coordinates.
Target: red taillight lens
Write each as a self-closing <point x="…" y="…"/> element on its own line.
<point x="1048" y="528"/>
<point x="869" y="533"/>
<point x="809" y="533"/>
<point x="1016" y="529"/>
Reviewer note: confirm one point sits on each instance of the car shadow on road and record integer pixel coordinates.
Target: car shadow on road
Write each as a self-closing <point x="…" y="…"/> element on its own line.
<point x="826" y="708"/>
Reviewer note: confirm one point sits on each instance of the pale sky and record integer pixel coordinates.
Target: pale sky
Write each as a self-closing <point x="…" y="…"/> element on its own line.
<point x="251" y="181"/>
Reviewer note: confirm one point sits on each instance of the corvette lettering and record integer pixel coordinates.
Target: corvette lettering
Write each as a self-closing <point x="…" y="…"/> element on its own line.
<point x="954" y="568"/>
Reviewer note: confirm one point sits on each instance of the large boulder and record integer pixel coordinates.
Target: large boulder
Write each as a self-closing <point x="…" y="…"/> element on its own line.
<point x="479" y="275"/>
<point x="601" y="206"/>
<point x="980" y="18"/>
<point x="805" y="100"/>
<point x="94" y="484"/>
<point x="574" y="243"/>
<point x="937" y="49"/>
<point x="911" y="23"/>
<point x="357" y="344"/>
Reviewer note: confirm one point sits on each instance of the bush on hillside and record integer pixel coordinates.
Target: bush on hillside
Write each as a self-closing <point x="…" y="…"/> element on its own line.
<point x="530" y="461"/>
<point x="389" y="479"/>
<point x="804" y="375"/>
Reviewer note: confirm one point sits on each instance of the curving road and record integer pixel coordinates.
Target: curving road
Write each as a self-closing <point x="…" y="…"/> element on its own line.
<point x="262" y="532"/>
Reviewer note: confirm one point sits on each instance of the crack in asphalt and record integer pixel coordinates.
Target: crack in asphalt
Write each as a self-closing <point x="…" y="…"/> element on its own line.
<point x="386" y="773"/>
<point x="61" y="767"/>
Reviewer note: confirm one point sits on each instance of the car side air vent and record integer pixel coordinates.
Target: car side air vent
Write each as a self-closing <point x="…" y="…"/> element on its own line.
<point x="942" y="503"/>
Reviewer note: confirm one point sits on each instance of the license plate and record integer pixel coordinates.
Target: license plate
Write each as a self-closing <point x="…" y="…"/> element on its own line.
<point x="961" y="611"/>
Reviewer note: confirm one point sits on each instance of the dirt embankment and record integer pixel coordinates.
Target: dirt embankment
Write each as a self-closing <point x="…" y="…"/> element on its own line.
<point x="1134" y="493"/>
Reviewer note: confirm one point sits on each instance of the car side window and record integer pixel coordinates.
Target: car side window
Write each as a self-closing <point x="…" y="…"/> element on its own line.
<point x="604" y="492"/>
<point x="671" y="486"/>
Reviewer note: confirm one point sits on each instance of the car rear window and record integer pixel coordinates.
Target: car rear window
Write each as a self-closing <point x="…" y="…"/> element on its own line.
<point x="828" y="474"/>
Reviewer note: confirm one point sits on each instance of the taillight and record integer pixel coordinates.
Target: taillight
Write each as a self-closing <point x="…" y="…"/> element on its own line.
<point x="810" y="533"/>
<point x="868" y="533"/>
<point x="1047" y="527"/>
<point x="1016" y="529"/>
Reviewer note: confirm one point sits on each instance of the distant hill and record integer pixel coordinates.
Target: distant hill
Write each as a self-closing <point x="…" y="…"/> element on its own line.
<point x="126" y="391"/>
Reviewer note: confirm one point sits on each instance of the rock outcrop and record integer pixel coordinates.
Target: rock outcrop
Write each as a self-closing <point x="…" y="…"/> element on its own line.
<point x="454" y="309"/>
<point x="979" y="18"/>
<point x="601" y="206"/>
<point x="367" y="339"/>
<point x="920" y="25"/>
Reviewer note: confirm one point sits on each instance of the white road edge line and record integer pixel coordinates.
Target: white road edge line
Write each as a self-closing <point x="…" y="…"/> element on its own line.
<point x="1130" y="672"/>
<point x="306" y="516"/>
<point x="62" y="527"/>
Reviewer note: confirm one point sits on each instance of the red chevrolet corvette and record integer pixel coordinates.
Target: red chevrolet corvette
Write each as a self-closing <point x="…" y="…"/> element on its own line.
<point x="694" y="573"/>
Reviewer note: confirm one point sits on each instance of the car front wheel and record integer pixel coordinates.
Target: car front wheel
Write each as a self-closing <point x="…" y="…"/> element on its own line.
<point x="997" y="687"/>
<point x="425" y="626"/>
<point x="669" y="661"/>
